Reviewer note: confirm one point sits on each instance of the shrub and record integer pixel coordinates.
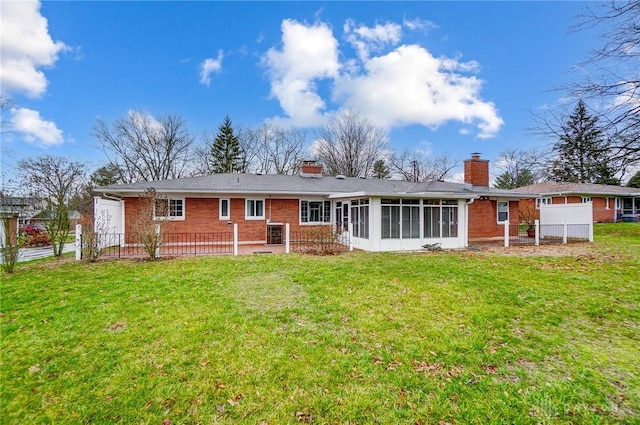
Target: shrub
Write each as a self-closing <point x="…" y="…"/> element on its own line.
<point x="9" y="247"/>
<point x="33" y="235"/>
<point x="320" y="240"/>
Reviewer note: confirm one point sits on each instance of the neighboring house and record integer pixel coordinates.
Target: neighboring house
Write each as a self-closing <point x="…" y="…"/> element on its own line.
<point x="24" y="208"/>
<point x="610" y="203"/>
<point x="381" y="215"/>
<point x="44" y="217"/>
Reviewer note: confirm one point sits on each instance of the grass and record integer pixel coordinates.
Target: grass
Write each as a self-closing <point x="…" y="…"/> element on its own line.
<point x="359" y="338"/>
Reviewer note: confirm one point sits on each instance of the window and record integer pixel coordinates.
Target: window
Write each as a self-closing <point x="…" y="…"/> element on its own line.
<point x="440" y="218"/>
<point x="254" y="209"/>
<point x="449" y="219"/>
<point x="431" y="219"/>
<point x="315" y="211"/>
<point x="503" y="211"/>
<point x="400" y="218"/>
<point x="606" y="203"/>
<point x="225" y="213"/>
<point x="168" y="209"/>
<point x="360" y="218"/>
<point x="618" y="204"/>
<point x="390" y="218"/>
<point x="543" y="201"/>
<point x="410" y="218"/>
<point x="585" y="199"/>
<point x="630" y="206"/>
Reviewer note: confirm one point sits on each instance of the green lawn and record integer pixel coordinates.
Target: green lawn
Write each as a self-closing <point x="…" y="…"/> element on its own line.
<point x="358" y="338"/>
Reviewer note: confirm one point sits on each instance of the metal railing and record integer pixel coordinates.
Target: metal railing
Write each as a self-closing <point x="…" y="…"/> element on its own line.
<point x="115" y="245"/>
<point x="519" y="234"/>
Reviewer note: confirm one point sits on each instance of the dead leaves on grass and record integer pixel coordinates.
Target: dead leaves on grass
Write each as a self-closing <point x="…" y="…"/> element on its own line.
<point x="305" y="417"/>
<point x="118" y="326"/>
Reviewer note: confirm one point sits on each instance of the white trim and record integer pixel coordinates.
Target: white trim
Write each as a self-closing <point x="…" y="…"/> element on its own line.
<point x="498" y="202"/>
<point x="169" y="217"/>
<point x="544" y="200"/>
<point x="228" y="215"/>
<point x="246" y="209"/>
<point x="322" y="212"/>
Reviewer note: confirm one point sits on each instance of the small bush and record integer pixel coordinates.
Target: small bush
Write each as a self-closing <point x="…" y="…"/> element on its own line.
<point x="9" y="245"/>
<point x="319" y="240"/>
<point x="33" y="235"/>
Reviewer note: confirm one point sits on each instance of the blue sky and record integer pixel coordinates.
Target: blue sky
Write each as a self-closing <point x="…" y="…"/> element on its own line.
<point x="440" y="77"/>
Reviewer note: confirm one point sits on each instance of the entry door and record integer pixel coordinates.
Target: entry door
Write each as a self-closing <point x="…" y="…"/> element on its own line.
<point x="345" y="215"/>
<point x="342" y="216"/>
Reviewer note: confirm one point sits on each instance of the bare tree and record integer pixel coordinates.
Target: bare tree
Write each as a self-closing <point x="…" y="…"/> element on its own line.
<point x="612" y="79"/>
<point x="147" y="230"/>
<point x="9" y="243"/>
<point x="520" y="167"/>
<point x="5" y="107"/>
<point x="147" y="148"/>
<point x="350" y="145"/>
<point x="414" y="167"/>
<point x="54" y="180"/>
<point x="276" y="150"/>
<point x="6" y="126"/>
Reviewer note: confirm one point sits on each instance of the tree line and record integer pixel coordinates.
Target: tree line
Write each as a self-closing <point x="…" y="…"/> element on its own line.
<point x="141" y="147"/>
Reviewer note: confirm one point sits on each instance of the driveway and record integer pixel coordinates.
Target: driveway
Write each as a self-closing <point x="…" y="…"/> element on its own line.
<point x="28" y="254"/>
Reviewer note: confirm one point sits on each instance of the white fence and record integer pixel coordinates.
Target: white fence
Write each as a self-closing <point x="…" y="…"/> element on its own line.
<point x="578" y="216"/>
<point x="558" y="223"/>
<point x="109" y="215"/>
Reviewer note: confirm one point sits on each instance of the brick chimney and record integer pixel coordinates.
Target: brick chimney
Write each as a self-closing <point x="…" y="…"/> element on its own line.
<point x="476" y="170"/>
<point x="310" y="169"/>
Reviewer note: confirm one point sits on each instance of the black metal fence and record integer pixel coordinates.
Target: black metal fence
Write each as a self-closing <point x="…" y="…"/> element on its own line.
<point x="115" y="245"/>
<point x="519" y="235"/>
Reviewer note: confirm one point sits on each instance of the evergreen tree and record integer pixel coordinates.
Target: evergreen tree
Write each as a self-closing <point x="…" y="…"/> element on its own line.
<point x="226" y="153"/>
<point x="509" y="180"/>
<point x="380" y="170"/>
<point x="580" y="156"/>
<point x="635" y="180"/>
<point x="106" y="175"/>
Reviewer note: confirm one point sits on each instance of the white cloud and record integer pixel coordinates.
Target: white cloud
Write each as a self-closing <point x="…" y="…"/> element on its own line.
<point x="34" y="129"/>
<point x="26" y="47"/>
<point x="309" y="53"/>
<point x="391" y="86"/>
<point x="210" y="65"/>
<point x="418" y="24"/>
<point x="410" y="86"/>
<point x="366" y="39"/>
<point x="456" y="178"/>
<point x="146" y="123"/>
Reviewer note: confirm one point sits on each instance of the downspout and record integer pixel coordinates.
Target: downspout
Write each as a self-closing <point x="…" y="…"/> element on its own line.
<point x="113" y="198"/>
<point x="466" y="221"/>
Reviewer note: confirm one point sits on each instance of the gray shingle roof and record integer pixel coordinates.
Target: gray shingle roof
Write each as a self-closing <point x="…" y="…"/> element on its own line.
<point x="230" y="184"/>
<point x="561" y="189"/>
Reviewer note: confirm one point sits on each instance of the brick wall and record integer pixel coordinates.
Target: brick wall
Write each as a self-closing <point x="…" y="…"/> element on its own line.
<point x="483" y="219"/>
<point x="202" y="216"/>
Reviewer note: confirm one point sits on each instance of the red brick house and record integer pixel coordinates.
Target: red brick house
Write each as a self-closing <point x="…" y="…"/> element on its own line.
<point x="610" y="203"/>
<point x="380" y="215"/>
